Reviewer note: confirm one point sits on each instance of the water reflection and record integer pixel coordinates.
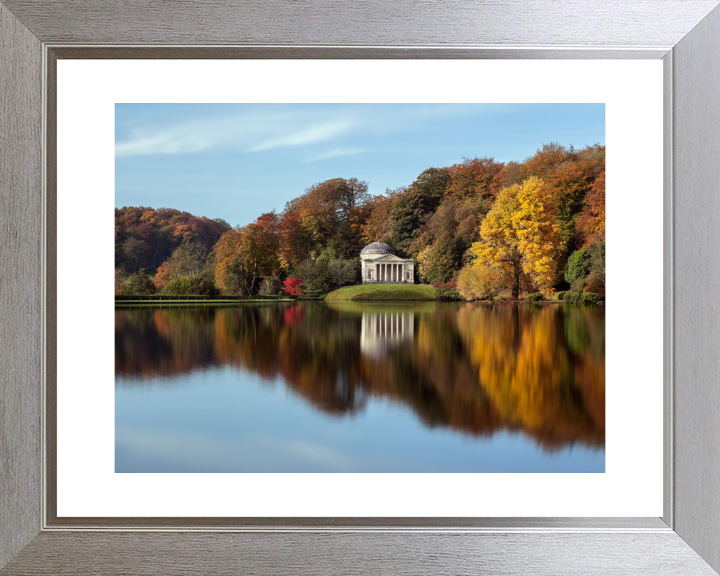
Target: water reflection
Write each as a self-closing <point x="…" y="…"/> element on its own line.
<point x="382" y="331"/>
<point x="469" y="368"/>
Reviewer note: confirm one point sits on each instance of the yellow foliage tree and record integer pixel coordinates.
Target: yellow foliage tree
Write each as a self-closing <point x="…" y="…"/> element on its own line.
<point x="226" y="251"/>
<point x="423" y="261"/>
<point x="521" y="235"/>
<point x="480" y="282"/>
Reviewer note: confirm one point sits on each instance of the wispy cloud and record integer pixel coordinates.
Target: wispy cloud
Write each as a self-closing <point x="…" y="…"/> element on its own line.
<point x="258" y="129"/>
<point x="309" y="135"/>
<point x="250" y="133"/>
<point x="333" y="154"/>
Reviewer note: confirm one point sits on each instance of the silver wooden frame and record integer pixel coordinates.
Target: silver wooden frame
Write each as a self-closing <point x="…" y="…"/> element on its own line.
<point x="684" y="33"/>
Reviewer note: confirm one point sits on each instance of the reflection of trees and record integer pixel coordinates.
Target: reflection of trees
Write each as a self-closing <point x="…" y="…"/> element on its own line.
<point x="470" y="367"/>
<point x="525" y="365"/>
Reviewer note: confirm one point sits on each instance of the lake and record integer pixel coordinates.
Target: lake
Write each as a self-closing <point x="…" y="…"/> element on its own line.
<point x="360" y="387"/>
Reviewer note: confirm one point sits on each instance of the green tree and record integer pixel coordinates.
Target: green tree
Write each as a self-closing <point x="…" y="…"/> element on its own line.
<point x="578" y="266"/>
<point x="438" y="261"/>
<point x="140" y="283"/>
<point x="415" y="205"/>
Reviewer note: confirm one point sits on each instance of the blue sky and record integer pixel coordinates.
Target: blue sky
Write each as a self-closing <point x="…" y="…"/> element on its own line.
<point x="236" y="161"/>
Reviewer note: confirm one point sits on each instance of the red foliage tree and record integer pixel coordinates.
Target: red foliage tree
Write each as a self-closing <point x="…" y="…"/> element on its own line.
<point x="295" y="286"/>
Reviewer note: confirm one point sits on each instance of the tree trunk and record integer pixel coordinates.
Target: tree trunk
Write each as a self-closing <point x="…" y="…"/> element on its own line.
<point x="516" y="282"/>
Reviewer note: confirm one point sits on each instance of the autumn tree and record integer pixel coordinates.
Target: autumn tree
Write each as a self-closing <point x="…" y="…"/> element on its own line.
<point x="378" y="225"/>
<point x="520" y="234"/>
<point x="147" y="237"/>
<point x="189" y="260"/>
<point x="295" y="241"/>
<point x="592" y="218"/>
<point x="445" y="238"/>
<point x="329" y="214"/>
<point x="119" y="284"/>
<point x="475" y="178"/>
<point x="246" y="254"/>
<point x="294" y="286"/>
<point x="227" y="250"/>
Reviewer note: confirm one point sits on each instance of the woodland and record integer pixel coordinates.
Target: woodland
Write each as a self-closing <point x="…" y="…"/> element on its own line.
<point x="477" y="229"/>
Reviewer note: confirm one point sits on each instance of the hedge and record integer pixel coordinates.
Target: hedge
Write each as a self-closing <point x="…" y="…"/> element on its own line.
<point x="582" y="298"/>
<point x="122" y="297"/>
<point x="591" y="297"/>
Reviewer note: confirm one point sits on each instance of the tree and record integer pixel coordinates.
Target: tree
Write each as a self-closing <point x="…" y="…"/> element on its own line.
<point x="294" y="286"/>
<point x="578" y="266"/>
<point x="119" y="284"/>
<point x="591" y="222"/>
<point x="136" y="253"/>
<point x="520" y="234"/>
<point x="475" y="178"/>
<point x="438" y="261"/>
<point x="245" y="254"/>
<point x="378" y="226"/>
<point x="446" y="236"/>
<point x="190" y="259"/>
<point x="226" y="251"/>
<point x="140" y="283"/>
<point x="415" y="205"/>
<point x="332" y="214"/>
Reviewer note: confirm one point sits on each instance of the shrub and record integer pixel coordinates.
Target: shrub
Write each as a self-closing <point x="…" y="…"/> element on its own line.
<point x="187" y="285"/>
<point x="315" y="292"/>
<point x="537" y="297"/>
<point x="561" y="295"/>
<point x="577" y="285"/>
<point x="179" y="287"/>
<point x="591" y="297"/>
<point x="572" y="297"/>
<point x="445" y="293"/>
<point x="480" y="282"/>
<point x="597" y="288"/>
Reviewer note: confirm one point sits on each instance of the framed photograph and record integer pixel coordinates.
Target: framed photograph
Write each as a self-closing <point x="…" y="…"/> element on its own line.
<point x="369" y="315"/>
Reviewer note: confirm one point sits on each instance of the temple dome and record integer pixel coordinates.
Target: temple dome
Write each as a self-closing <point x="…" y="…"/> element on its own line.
<point x="377" y="248"/>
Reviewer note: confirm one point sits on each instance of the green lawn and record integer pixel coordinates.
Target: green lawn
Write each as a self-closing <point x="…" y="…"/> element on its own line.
<point x="383" y="292"/>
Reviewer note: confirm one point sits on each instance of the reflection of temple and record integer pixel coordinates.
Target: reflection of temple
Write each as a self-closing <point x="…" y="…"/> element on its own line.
<point x="381" y="331"/>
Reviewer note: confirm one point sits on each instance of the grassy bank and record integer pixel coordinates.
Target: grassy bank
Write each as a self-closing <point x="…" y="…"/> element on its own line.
<point x="383" y="292"/>
<point x="224" y="302"/>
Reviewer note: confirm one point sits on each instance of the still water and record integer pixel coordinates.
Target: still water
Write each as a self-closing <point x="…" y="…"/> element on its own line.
<point x="354" y="387"/>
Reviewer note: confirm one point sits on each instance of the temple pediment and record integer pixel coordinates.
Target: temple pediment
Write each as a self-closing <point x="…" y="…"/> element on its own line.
<point x="384" y="258"/>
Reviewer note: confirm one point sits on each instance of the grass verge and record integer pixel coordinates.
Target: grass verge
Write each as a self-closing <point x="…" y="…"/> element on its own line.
<point x="383" y="292"/>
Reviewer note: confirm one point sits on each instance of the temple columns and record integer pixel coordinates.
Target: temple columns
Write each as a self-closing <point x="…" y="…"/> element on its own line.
<point x="390" y="272"/>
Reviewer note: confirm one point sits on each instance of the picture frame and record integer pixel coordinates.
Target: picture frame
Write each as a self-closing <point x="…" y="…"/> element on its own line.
<point x="685" y="34"/>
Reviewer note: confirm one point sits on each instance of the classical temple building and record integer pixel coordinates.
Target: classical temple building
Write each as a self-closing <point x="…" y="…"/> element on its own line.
<point x="380" y="264"/>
